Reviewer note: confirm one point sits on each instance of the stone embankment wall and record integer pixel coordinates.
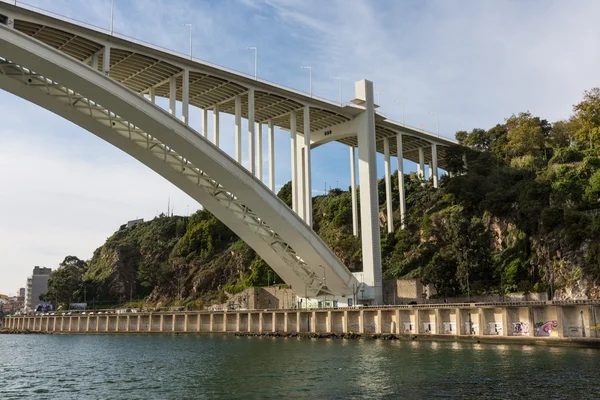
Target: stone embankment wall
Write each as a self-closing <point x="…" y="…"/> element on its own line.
<point x="579" y="320"/>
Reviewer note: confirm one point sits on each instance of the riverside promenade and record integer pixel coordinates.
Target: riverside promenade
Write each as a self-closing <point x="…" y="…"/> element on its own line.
<point x="553" y="321"/>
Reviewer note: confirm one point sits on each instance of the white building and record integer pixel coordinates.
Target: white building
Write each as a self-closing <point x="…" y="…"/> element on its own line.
<point x="37" y="284"/>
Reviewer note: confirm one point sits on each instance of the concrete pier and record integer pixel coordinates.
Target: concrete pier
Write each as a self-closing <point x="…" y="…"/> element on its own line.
<point x="577" y="320"/>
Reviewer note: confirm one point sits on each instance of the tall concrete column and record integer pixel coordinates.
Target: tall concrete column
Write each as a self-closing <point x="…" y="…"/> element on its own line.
<point x="421" y="165"/>
<point x="162" y="323"/>
<point x="271" y="146"/>
<point x="216" y="125"/>
<point x="259" y="152"/>
<point x="260" y="322"/>
<point x="434" y="165"/>
<point x="369" y="202"/>
<point x="238" y="129"/>
<point x="173" y="96"/>
<point x="152" y="95"/>
<point x="149" y="322"/>
<point x="128" y="322"/>
<point x="379" y="322"/>
<point x="237" y="322"/>
<point x="97" y="324"/>
<point x="116" y="324"/>
<point x="205" y="123"/>
<point x="185" y="322"/>
<point x="294" y="160"/>
<point x="139" y="323"/>
<point x="388" y="185"/>
<point x="285" y="322"/>
<point x="300" y="165"/>
<point x="400" y="155"/>
<point x="185" y="97"/>
<point x="106" y="60"/>
<point x="173" y="323"/>
<point x="353" y="190"/>
<point x="307" y="168"/>
<point x="251" y="134"/>
<point x="273" y="322"/>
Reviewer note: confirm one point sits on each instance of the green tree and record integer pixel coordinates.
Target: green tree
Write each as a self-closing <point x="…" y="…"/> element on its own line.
<point x="66" y="284"/>
<point x="587" y="111"/>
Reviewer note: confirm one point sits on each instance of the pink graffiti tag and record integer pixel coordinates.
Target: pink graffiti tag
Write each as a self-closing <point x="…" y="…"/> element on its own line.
<point x="545" y="329"/>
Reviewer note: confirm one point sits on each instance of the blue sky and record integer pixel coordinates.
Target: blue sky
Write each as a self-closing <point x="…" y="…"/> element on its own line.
<point x="474" y="62"/>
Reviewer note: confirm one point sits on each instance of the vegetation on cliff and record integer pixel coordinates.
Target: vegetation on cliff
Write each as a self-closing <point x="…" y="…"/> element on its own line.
<point x="523" y="215"/>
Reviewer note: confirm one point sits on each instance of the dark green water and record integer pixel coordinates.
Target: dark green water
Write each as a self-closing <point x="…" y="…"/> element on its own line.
<point x="227" y="367"/>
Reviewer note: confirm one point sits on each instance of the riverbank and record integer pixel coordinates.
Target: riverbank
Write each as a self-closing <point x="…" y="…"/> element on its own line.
<point x="522" y="340"/>
<point x="8" y="331"/>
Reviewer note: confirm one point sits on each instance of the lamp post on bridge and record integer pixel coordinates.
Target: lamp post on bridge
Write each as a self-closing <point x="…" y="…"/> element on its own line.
<point x="112" y="15"/>
<point x="310" y="78"/>
<point x="191" y="26"/>
<point x="255" y="60"/>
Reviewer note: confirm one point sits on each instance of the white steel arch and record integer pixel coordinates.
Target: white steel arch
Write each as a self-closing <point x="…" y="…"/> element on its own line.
<point x="84" y="96"/>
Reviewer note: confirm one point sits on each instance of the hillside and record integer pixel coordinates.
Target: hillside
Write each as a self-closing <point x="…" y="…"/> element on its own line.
<point x="524" y="215"/>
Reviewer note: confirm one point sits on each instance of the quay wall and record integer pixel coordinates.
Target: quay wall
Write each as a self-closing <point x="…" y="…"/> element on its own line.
<point x="543" y="320"/>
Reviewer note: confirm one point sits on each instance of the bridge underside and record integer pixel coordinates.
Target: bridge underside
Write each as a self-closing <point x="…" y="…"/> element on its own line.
<point x="58" y="83"/>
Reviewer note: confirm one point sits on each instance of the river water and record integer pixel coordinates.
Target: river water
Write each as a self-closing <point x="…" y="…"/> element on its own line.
<point x="229" y="367"/>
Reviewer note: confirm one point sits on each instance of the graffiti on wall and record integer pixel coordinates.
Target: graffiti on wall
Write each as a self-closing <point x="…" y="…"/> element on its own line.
<point x="548" y="328"/>
<point x="520" y="328"/>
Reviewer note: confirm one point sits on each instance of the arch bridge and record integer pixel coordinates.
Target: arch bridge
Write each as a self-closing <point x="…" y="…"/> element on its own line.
<point x="108" y="84"/>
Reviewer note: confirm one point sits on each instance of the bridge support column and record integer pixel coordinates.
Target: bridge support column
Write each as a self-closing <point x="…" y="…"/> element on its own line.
<point x="238" y="129"/>
<point x="400" y="155"/>
<point x="271" y="148"/>
<point x="307" y="169"/>
<point x="300" y="203"/>
<point x="259" y="152"/>
<point x="205" y="123"/>
<point x="216" y="125"/>
<point x="173" y="96"/>
<point x="251" y="134"/>
<point x="152" y="95"/>
<point x="353" y="190"/>
<point x="421" y="165"/>
<point x="388" y="185"/>
<point x="434" y="165"/>
<point x="94" y="62"/>
<point x="106" y="60"/>
<point x="294" y="159"/>
<point x="185" y="97"/>
<point x="369" y="202"/>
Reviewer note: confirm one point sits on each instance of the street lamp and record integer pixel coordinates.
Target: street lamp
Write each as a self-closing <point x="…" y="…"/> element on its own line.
<point x="112" y="15"/>
<point x="339" y="79"/>
<point x="437" y="118"/>
<point x="190" y="25"/>
<point x="255" y="61"/>
<point x="310" y="77"/>
<point x="402" y="103"/>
